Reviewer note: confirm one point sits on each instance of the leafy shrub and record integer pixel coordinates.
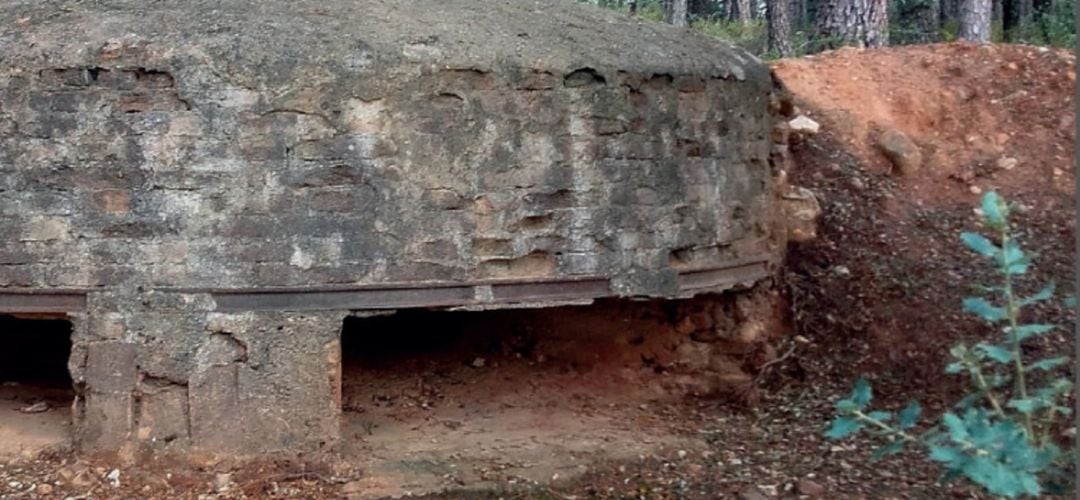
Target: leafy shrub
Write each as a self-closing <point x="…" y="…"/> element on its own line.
<point x="1002" y="434"/>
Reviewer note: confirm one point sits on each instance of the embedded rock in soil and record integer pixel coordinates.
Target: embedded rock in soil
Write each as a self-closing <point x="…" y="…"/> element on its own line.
<point x="804" y="125"/>
<point x="810" y="488"/>
<point x="905" y="155"/>
<point x="802" y="210"/>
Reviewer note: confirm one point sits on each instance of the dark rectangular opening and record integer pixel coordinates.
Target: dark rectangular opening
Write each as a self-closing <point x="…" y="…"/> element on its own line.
<point x="432" y="392"/>
<point x="35" y="385"/>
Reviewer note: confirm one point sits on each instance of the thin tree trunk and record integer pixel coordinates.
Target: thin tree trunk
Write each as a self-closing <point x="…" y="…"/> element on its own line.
<point x="779" y="27"/>
<point x="860" y="22"/>
<point x="1016" y="17"/>
<point x="975" y="20"/>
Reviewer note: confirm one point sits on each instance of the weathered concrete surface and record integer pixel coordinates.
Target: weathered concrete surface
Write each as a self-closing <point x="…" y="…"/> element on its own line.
<point x="153" y="154"/>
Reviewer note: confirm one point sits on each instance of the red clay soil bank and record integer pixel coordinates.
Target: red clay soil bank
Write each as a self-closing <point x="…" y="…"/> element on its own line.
<point x="884" y="282"/>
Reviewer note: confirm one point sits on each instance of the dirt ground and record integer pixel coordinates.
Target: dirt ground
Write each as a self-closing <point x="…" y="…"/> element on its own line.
<point x="449" y="399"/>
<point x="496" y="416"/>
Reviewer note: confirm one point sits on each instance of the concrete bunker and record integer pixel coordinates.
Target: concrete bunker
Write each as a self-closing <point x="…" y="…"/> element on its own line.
<point x="539" y="389"/>
<point x="207" y="193"/>
<point x="36" y="392"/>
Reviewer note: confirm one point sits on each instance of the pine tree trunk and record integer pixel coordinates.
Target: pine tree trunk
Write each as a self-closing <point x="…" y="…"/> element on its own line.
<point x="742" y="10"/>
<point x="677" y="13"/>
<point x="860" y="22"/>
<point x="779" y="27"/>
<point x="975" y="20"/>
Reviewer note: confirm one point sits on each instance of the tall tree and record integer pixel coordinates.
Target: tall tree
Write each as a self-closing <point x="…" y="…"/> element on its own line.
<point x="743" y="10"/>
<point x="779" y="20"/>
<point x="859" y="22"/>
<point x="975" y="20"/>
<point x="675" y="12"/>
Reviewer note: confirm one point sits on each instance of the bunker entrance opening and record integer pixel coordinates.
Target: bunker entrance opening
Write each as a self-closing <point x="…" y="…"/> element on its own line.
<point x="461" y="391"/>
<point x="35" y="386"/>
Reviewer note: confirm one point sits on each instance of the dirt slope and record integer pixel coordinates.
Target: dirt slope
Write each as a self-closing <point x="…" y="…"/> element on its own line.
<point x="888" y="275"/>
<point x="966" y="107"/>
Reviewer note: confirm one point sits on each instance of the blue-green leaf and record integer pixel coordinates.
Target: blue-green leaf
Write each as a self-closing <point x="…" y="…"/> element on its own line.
<point x="909" y="416"/>
<point x="957" y="430"/>
<point x="1024" y="405"/>
<point x="889" y="449"/>
<point x="1047" y="364"/>
<point x="996" y="477"/>
<point x="980" y="244"/>
<point x="1071" y="302"/>
<point x="993" y="208"/>
<point x="881" y="416"/>
<point x="1010" y="253"/>
<point x="843" y="427"/>
<point x="1056" y="388"/>
<point x="1025" y="331"/>
<point x="1045" y="294"/>
<point x="954" y="368"/>
<point x="997" y="353"/>
<point x="984" y="309"/>
<point x="1019" y="267"/>
<point x="861" y="394"/>
<point x="845" y="406"/>
<point x="951" y="456"/>
<point x="968" y="400"/>
<point x="997" y="380"/>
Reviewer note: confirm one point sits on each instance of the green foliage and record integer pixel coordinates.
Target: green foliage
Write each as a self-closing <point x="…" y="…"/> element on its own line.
<point x="996" y="454"/>
<point x="910" y="22"/>
<point x="949" y="30"/>
<point x="1001" y="434"/>
<point x="652" y="11"/>
<point x="1056" y="26"/>
<point x="752" y="35"/>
